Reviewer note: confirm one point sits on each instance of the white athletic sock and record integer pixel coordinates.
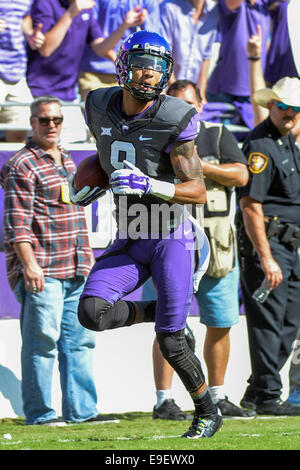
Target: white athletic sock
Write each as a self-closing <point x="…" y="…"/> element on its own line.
<point x="161" y="396"/>
<point x="217" y="393"/>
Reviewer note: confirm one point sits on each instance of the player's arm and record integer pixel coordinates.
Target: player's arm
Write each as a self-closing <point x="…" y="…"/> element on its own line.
<point x="188" y="169"/>
<point x="186" y="165"/>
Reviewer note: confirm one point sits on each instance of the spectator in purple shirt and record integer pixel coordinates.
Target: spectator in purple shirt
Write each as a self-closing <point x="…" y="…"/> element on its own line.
<point x="229" y="81"/>
<point x="68" y="26"/>
<point x="280" y="61"/>
<point x="99" y="72"/>
<point x="190" y="27"/>
<point x="15" y="27"/>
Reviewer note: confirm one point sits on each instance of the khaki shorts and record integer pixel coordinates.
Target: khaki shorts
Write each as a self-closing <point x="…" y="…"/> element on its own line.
<point x="91" y="81"/>
<point x="15" y="93"/>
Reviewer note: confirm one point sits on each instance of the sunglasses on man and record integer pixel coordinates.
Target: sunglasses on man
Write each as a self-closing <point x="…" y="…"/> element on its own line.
<point x="285" y="107"/>
<point x="45" y="121"/>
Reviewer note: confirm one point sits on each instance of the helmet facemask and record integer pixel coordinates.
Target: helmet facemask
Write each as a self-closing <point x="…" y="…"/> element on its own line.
<point x="157" y="67"/>
<point x="153" y="58"/>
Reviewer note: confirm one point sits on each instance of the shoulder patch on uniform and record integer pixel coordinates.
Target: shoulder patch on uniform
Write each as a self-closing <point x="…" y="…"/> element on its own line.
<point x="257" y="162"/>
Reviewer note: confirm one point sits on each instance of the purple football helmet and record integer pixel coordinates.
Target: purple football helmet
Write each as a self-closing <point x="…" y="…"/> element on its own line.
<point x="144" y="49"/>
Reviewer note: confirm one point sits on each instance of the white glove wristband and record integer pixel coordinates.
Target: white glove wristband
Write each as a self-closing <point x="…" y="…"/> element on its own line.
<point x="162" y="189"/>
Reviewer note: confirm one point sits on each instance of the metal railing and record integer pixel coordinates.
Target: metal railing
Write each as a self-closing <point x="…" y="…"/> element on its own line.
<point x="26" y="126"/>
<point x="3" y="126"/>
<point x="28" y="103"/>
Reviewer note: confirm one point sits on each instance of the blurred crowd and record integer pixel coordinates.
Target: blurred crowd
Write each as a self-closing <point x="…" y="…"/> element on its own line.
<point x="66" y="48"/>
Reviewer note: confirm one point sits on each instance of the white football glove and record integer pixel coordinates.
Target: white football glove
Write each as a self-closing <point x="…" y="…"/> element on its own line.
<point x="85" y="196"/>
<point x="132" y="181"/>
<point x="129" y="180"/>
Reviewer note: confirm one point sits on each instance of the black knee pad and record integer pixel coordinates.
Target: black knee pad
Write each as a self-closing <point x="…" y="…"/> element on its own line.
<point x="171" y="344"/>
<point x="91" y="311"/>
<point x="177" y="352"/>
<point x="95" y="313"/>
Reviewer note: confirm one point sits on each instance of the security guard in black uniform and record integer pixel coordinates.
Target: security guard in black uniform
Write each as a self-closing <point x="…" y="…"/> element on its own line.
<point x="269" y="235"/>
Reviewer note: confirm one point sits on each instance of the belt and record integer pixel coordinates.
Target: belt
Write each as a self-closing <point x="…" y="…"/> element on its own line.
<point x="286" y="232"/>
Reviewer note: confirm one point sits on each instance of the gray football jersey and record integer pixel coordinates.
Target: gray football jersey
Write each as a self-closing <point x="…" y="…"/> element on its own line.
<point x="142" y="140"/>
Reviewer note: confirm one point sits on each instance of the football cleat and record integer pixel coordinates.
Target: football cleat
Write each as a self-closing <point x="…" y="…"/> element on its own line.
<point x="204" y="427"/>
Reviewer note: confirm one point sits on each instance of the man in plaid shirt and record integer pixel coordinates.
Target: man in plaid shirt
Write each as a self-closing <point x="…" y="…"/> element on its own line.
<point x="48" y="258"/>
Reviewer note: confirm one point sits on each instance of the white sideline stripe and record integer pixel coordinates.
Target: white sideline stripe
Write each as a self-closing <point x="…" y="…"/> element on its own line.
<point x="121" y="438"/>
<point x="273" y="417"/>
<point x="12" y="443"/>
<point x="145" y="438"/>
<point x="251" y="418"/>
<point x="247" y="418"/>
<point x="108" y="421"/>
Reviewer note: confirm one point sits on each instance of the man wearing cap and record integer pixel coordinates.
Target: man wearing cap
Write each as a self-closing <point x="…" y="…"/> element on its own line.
<point x="269" y="235"/>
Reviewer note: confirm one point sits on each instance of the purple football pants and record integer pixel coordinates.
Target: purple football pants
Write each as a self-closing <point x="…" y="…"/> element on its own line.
<point x="127" y="264"/>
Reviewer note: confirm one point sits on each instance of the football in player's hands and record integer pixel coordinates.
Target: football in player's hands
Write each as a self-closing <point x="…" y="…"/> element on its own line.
<point x="90" y="173"/>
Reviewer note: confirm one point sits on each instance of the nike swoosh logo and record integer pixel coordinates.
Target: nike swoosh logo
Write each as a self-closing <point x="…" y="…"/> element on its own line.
<point x="145" y="138"/>
<point x="186" y="232"/>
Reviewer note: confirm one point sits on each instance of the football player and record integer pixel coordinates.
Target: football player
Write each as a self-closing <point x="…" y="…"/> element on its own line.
<point x="145" y="142"/>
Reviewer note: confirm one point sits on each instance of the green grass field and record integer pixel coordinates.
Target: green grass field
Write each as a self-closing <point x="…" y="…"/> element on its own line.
<point x="137" y="431"/>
